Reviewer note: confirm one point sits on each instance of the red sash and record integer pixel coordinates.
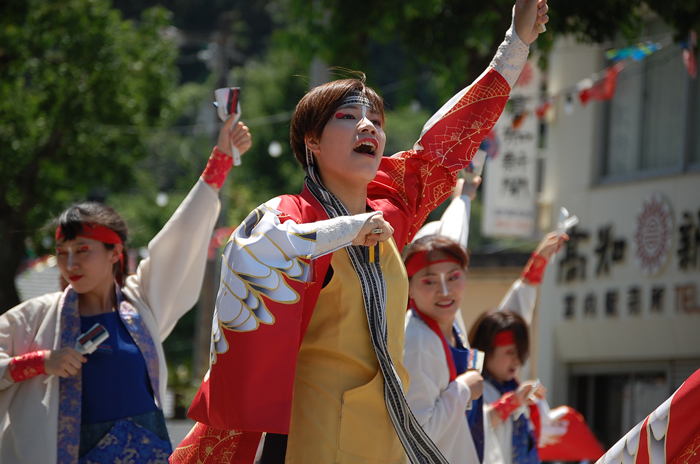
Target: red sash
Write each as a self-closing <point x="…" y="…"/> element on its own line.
<point x="436" y="328"/>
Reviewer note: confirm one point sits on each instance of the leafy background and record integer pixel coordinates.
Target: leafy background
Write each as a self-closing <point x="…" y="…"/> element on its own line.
<point x="111" y="101"/>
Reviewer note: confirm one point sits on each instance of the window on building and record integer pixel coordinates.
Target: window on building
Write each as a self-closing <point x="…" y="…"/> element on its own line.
<point x="613" y="399"/>
<point x="649" y="121"/>
<point x="695" y="124"/>
<point x="614" y="403"/>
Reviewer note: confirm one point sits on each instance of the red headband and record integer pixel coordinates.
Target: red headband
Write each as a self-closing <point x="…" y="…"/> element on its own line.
<point x="419" y="260"/>
<point x="96" y="232"/>
<point x="504" y="338"/>
<point x="102" y="234"/>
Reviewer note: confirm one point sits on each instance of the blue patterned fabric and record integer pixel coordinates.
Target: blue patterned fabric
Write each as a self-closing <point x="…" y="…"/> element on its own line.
<point x="524" y="442"/>
<point x="460" y="356"/>
<point x="91" y="434"/>
<point x="129" y="442"/>
<point x="70" y="388"/>
<point x="139" y="332"/>
<point x="475" y="415"/>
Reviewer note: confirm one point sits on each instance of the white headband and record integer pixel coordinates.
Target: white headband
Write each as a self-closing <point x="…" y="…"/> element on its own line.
<point x="357" y="98"/>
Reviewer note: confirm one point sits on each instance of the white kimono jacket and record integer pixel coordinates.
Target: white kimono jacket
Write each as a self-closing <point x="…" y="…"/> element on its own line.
<point x="440" y="405"/>
<point x="166" y="285"/>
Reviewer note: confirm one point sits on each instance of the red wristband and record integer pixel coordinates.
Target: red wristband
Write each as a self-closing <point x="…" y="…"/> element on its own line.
<point x="217" y="169"/>
<point x="506" y="405"/>
<point x="27" y="366"/>
<point x="534" y="269"/>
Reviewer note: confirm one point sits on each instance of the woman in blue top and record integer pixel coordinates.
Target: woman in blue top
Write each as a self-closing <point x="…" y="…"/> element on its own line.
<point x="67" y="407"/>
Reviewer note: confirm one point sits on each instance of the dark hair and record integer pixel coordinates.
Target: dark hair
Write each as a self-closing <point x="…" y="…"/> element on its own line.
<point x="485" y="329"/>
<point x="72" y="219"/>
<point x="315" y="109"/>
<point x="436" y="245"/>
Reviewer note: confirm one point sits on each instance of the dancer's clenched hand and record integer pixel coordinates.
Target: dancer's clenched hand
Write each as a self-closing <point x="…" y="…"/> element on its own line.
<point x="551" y="244"/>
<point x="375" y="230"/>
<point x="239" y="134"/>
<point x="527" y="14"/>
<point x="64" y="362"/>
<point x="466" y="187"/>
<point x="474" y="381"/>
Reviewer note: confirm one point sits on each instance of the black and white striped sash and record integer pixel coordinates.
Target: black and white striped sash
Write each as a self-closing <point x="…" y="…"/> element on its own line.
<point x="418" y="445"/>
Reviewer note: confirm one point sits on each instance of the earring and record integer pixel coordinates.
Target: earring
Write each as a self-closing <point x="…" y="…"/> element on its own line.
<point x="309" y="156"/>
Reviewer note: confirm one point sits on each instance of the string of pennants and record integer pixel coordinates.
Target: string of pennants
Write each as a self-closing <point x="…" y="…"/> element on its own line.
<point x="601" y="86"/>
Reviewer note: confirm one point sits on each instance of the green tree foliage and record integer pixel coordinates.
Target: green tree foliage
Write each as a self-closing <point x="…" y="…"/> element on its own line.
<point x="78" y="85"/>
<point x="452" y="38"/>
<point x="176" y="156"/>
<point x="271" y="88"/>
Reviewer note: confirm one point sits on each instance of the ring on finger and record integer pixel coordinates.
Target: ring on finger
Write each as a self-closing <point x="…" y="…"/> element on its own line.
<point x="377" y="231"/>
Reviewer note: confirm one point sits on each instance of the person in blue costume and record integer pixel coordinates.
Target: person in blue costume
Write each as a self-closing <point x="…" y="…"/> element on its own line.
<point x="510" y="434"/>
<point x="62" y="406"/>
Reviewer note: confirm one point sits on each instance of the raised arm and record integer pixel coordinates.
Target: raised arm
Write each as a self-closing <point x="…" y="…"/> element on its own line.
<point x="169" y="280"/>
<point x="423" y="177"/>
<point x="522" y="295"/>
<point x="454" y="222"/>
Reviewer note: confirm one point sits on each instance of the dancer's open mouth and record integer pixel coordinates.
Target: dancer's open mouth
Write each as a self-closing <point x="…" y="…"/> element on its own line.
<point x="367" y="146"/>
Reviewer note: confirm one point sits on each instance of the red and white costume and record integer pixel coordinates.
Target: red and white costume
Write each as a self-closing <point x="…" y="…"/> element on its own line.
<point x="273" y="275"/>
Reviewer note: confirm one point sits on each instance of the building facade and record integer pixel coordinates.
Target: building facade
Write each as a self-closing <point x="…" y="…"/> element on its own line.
<point x="618" y="323"/>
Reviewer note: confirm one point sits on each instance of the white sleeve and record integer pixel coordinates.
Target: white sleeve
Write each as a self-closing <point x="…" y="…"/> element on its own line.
<point x="492" y="447"/>
<point x="9" y="331"/>
<point x="453" y="224"/>
<point x="520" y="298"/>
<point x="511" y="56"/>
<point x="169" y="280"/>
<point x="336" y="233"/>
<point x="18" y="331"/>
<point x="495" y="436"/>
<point x="437" y="411"/>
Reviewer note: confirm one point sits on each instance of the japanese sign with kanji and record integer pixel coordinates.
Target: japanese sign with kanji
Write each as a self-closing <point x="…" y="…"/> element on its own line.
<point x="510" y="175"/>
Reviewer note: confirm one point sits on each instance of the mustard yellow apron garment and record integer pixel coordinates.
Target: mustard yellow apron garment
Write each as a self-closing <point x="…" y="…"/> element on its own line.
<point x="338" y="412"/>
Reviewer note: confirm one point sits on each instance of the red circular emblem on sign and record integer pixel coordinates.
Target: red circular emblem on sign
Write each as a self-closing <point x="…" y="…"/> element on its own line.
<point x="653" y="234"/>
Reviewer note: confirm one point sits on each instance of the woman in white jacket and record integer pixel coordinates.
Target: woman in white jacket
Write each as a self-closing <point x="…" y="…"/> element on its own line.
<point x="62" y="406"/>
<point x="436" y="352"/>
<point x="438" y="396"/>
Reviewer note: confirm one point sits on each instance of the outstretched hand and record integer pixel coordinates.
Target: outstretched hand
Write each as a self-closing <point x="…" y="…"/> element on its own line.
<point x="530" y="390"/>
<point x="527" y="14"/>
<point x="239" y="134"/>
